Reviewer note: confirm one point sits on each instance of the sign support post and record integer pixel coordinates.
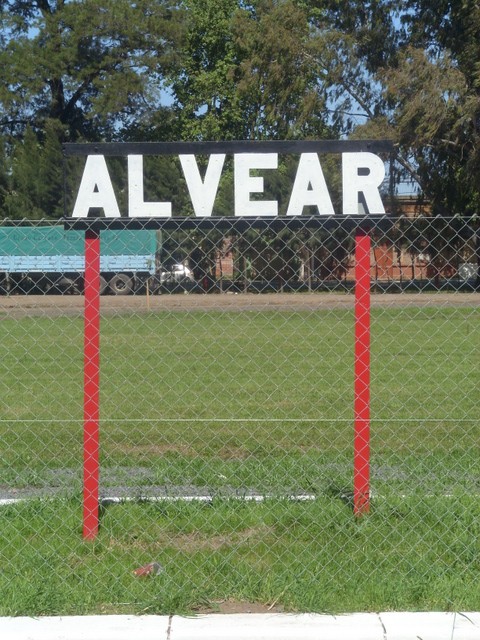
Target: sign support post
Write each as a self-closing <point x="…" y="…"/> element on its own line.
<point x="361" y="470"/>
<point x="91" y="404"/>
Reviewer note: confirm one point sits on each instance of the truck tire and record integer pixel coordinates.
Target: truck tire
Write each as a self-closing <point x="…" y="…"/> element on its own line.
<point x="121" y="284"/>
<point x="103" y="285"/>
<point x="3" y="285"/>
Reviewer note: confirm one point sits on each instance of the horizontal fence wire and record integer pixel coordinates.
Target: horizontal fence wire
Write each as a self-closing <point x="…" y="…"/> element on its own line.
<point x="226" y="403"/>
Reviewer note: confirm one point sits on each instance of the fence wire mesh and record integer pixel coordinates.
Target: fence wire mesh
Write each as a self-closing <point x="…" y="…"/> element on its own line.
<point x="226" y="419"/>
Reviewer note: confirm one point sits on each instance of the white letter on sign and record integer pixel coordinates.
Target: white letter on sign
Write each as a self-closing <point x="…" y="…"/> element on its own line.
<point x="245" y="184"/>
<point x="202" y="193"/>
<point x="96" y="190"/>
<point x="310" y="188"/>
<point x="137" y="207"/>
<point x="362" y="173"/>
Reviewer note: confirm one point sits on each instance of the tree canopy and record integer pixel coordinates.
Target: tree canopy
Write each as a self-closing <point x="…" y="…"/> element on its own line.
<point x="102" y="70"/>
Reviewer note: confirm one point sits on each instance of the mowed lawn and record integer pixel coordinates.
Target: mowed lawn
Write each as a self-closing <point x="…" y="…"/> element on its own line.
<point x="408" y="554"/>
<point x="251" y="399"/>
<point x="239" y="403"/>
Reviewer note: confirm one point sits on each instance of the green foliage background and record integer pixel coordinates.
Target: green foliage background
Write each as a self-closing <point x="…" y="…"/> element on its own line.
<point x="113" y="70"/>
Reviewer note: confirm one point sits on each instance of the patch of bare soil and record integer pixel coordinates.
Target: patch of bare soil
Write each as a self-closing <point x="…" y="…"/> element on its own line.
<point x="233" y="453"/>
<point x="153" y="449"/>
<point x="239" y="606"/>
<point x="18" y="306"/>
<point x="195" y="541"/>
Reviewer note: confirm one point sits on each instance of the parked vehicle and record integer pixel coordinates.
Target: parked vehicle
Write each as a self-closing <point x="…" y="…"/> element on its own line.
<point x="468" y="271"/>
<point x="176" y="273"/>
<point x="48" y="259"/>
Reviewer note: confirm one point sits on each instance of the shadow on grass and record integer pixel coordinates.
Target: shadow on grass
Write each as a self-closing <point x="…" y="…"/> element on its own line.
<point x="342" y="493"/>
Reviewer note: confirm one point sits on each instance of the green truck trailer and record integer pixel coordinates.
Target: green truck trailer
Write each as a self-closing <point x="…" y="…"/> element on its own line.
<point x="47" y="259"/>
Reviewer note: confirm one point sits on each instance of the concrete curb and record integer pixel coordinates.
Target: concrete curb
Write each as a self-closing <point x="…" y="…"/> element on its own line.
<point x="249" y="626"/>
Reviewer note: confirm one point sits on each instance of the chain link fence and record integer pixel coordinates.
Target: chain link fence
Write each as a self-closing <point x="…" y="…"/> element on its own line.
<point x="226" y="419"/>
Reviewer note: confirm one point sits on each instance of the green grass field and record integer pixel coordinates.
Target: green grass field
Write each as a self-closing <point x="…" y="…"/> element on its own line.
<point x="233" y="403"/>
<point x="407" y="555"/>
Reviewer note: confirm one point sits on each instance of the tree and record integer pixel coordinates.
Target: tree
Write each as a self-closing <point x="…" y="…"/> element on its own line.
<point x="277" y="83"/>
<point x="430" y="124"/>
<point x="244" y="72"/>
<point x="73" y="71"/>
<point x="271" y="69"/>
<point x="351" y="40"/>
<point x="93" y="66"/>
<point x="410" y="71"/>
<point x="4" y="175"/>
<point x="23" y="199"/>
<point x="206" y="100"/>
<point x="444" y="52"/>
<point x="34" y="188"/>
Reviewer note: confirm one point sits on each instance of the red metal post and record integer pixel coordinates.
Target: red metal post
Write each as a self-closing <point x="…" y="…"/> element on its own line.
<point x="361" y="473"/>
<point x="91" y="404"/>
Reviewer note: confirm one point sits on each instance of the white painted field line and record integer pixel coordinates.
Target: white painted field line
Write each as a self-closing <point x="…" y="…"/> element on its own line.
<point x="237" y="420"/>
<point x="4" y="502"/>
<point x="246" y="498"/>
<point x="208" y="498"/>
<point x="200" y="498"/>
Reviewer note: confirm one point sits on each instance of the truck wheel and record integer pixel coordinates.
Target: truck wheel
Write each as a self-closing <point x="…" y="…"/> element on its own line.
<point x="154" y="284"/>
<point x="3" y="286"/>
<point x="121" y="284"/>
<point x="103" y="285"/>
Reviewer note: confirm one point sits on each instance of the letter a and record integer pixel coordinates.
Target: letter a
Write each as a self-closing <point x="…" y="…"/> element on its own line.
<point x="96" y="190"/>
<point x="310" y="188"/>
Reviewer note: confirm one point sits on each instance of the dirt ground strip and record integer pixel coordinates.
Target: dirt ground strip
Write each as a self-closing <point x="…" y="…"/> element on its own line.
<point x="17" y="306"/>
